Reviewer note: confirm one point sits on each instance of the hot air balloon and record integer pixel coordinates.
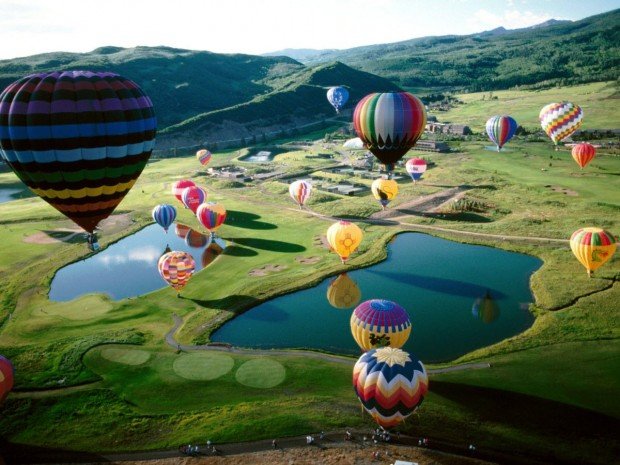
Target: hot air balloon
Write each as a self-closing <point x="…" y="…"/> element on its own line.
<point x="164" y="215"/>
<point x="211" y="215"/>
<point x="485" y="309"/>
<point x="560" y="120"/>
<point x="300" y="191"/>
<point x="211" y="253"/>
<point x="501" y="129"/>
<point x="389" y="124"/>
<point x="343" y="238"/>
<point x="343" y="292"/>
<point x="77" y="139"/>
<point x="176" y="268"/>
<point x="384" y="190"/>
<point x="196" y="239"/>
<point x="379" y="322"/>
<point x="583" y="154"/>
<point x="203" y="156"/>
<point x="179" y="186"/>
<point x="181" y="230"/>
<point x="337" y="96"/>
<point x="6" y="377"/>
<point x="390" y="384"/>
<point x="592" y="247"/>
<point x="416" y="167"/>
<point x="193" y="196"/>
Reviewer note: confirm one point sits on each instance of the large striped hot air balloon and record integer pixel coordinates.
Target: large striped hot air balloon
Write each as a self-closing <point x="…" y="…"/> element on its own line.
<point x="389" y="124"/>
<point x="416" y="167"/>
<point x="344" y="238"/>
<point x="378" y="322"/>
<point x="560" y="120"/>
<point x="179" y="186"/>
<point x="300" y="191"/>
<point x="583" y="154"/>
<point x="384" y="190"/>
<point x="6" y="377"/>
<point x="77" y="139"/>
<point x="343" y="292"/>
<point x="592" y="247"/>
<point x="337" y="96"/>
<point x="211" y="215"/>
<point x="203" y="156"/>
<point x="501" y="129"/>
<point x="164" y="215"/>
<point x="390" y="384"/>
<point x="193" y="196"/>
<point x="176" y="268"/>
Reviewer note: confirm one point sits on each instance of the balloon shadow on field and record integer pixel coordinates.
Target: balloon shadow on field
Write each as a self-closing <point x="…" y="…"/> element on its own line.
<point x="269" y="244"/>
<point x="234" y="250"/>
<point x="71" y="237"/>
<point x="26" y="454"/>
<point x="235" y="303"/>
<point x="442" y="285"/>
<point x="247" y="220"/>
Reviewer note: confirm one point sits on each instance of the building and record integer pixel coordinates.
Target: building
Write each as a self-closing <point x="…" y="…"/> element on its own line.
<point x="431" y="146"/>
<point x="443" y="128"/>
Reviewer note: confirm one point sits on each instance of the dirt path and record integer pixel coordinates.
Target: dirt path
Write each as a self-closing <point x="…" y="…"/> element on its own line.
<point x="425" y="203"/>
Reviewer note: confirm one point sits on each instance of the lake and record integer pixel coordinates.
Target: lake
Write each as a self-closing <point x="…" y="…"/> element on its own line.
<point x="459" y="297"/>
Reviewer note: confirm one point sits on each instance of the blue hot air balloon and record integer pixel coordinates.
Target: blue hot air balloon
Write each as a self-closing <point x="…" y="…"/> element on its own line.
<point x="164" y="215"/>
<point x="501" y="129"/>
<point x="337" y="96"/>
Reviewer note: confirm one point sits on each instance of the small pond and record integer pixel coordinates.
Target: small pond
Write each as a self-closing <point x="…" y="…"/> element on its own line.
<point x="128" y="268"/>
<point x="459" y="297"/>
<point x="8" y="194"/>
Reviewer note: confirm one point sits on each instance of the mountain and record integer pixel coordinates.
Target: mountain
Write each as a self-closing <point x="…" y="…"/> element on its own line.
<point x="301" y="54"/>
<point x="554" y="52"/>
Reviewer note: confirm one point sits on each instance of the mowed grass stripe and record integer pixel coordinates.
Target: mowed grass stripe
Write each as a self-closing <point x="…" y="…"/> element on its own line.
<point x="203" y="366"/>
<point x="261" y="373"/>
<point x="125" y="356"/>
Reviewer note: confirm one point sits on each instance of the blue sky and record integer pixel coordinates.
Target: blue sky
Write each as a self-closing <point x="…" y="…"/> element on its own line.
<point x="29" y="27"/>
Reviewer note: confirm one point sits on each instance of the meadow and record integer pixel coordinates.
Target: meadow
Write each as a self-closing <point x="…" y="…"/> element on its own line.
<point x="96" y="374"/>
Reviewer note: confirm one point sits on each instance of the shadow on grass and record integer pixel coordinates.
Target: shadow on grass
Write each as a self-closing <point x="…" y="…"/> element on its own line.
<point x="62" y="235"/>
<point x="269" y="244"/>
<point x="247" y="220"/>
<point x="26" y="454"/>
<point x="232" y="303"/>
<point x="235" y="250"/>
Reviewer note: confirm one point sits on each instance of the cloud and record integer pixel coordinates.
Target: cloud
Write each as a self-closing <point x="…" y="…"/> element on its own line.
<point x="483" y="20"/>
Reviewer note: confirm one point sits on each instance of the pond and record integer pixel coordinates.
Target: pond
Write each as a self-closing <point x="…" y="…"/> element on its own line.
<point x="128" y="268"/>
<point x="459" y="297"/>
<point x="8" y="194"/>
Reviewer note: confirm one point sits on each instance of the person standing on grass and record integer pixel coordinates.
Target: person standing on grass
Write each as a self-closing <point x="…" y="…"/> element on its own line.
<point x="274" y="444"/>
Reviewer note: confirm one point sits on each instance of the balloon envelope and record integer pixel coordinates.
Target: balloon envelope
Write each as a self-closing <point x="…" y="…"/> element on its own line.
<point x="337" y="96"/>
<point x="343" y="292"/>
<point x="583" y="154"/>
<point x="211" y="253"/>
<point x="300" y="191"/>
<point x="416" y="167"/>
<point x="344" y="238"/>
<point x="390" y="384"/>
<point x="193" y="196"/>
<point x="179" y="186"/>
<point x="378" y="322"/>
<point x="196" y="239"/>
<point x="181" y="230"/>
<point x="592" y="247"/>
<point x="211" y="215"/>
<point x="501" y="129"/>
<point x="164" y="215"/>
<point x="176" y="268"/>
<point x="6" y="377"/>
<point x="485" y="309"/>
<point x="203" y="156"/>
<point x="384" y="190"/>
<point x="77" y="139"/>
<point x="560" y="120"/>
<point x="389" y="124"/>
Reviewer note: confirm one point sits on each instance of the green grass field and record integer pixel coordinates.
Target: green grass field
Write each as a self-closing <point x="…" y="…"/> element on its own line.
<point x="551" y="392"/>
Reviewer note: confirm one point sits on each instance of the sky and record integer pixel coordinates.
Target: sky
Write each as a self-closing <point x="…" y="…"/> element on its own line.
<point x="29" y="27"/>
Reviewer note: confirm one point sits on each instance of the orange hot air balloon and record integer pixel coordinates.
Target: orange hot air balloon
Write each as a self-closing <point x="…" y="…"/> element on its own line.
<point x="176" y="268"/>
<point x="344" y="238"/>
<point x="592" y="247"/>
<point x="583" y="154"/>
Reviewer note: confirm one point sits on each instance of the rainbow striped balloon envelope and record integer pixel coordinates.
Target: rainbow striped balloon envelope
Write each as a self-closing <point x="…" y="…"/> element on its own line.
<point x="583" y="154"/>
<point x="300" y="191"/>
<point x="176" y="268"/>
<point x="390" y="383"/>
<point x="378" y="322"/>
<point x="6" y="377"/>
<point x="560" y="120"/>
<point x="211" y="215"/>
<point x="501" y="129"/>
<point x="593" y="247"/>
<point x="77" y="139"/>
<point x="203" y="156"/>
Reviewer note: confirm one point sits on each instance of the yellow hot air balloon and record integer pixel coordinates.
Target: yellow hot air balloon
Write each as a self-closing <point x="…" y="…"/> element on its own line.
<point x="486" y="309"/>
<point x="380" y="323"/>
<point x="343" y="238"/>
<point x="343" y="292"/>
<point x="592" y="247"/>
<point x="384" y="190"/>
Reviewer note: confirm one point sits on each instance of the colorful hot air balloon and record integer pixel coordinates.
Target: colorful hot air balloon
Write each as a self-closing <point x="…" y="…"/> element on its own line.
<point x="196" y="239"/>
<point x="343" y="238"/>
<point x="592" y="247"/>
<point x="560" y="120"/>
<point x="583" y="154"/>
<point x="379" y="322"/>
<point x="300" y="191"/>
<point x="343" y="292"/>
<point x="164" y="215"/>
<point x="181" y="230"/>
<point x="179" y="186"/>
<point x="337" y="96"/>
<point x="384" y="190"/>
<point x="389" y="124"/>
<point x="501" y="129"/>
<point x="485" y="309"/>
<point x="203" y="156"/>
<point x="176" y="268"/>
<point x="390" y="384"/>
<point x="77" y="139"/>
<point x="416" y="167"/>
<point x="6" y="377"/>
<point x="193" y="196"/>
<point x="211" y="215"/>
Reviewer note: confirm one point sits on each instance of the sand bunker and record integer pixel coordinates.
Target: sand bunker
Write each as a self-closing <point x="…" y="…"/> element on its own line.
<point x="308" y="260"/>
<point x="267" y="269"/>
<point x="563" y="190"/>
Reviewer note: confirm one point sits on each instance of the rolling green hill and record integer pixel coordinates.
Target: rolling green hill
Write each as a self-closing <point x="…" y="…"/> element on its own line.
<point x="556" y="52"/>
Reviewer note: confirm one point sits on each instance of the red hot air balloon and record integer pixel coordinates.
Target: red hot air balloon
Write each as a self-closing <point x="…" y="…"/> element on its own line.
<point x="6" y="377"/>
<point x="193" y="196"/>
<point x="179" y="186"/>
<point x="583" y="154"/>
